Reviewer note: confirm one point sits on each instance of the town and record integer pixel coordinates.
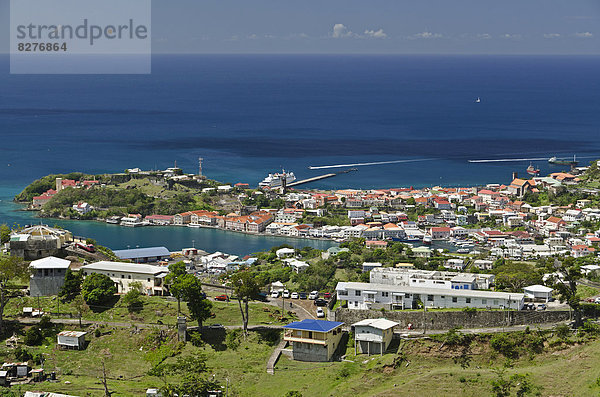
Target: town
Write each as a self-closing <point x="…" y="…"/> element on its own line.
<point x="452" y="265"/>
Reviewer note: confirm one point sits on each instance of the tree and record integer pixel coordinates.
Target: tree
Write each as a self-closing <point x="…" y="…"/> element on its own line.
<point x="133" y="298"/>
<point x="189" y="372"/>
<point x="11" y="268"/>
<point x="4" y="234"/>
<point x="173" y="281"/>
<point x="97" y="289"/>
<point x="564" y="279"/>
<point x="198" y="305"/>
<point x="81" y="307"/>
<point x="514" y="276"/>
<point x="72" y="286"/>
<point x="245" y="288"/>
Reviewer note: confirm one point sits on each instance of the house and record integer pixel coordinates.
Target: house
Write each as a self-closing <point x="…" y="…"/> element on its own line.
<point x="373" y="335"/>
<point x="313" y="340"/>
<point x="440" y="233"/>
<point x="47" y="276"/>
<point x="538" y="292"/>
<point x="578" y="251"/>
<point x="285" y="252"/>
<point x="421" y="252"/>
<point x="142" y="255"/>
<point x="519" y="187"/>
<point x="366" y="296"/>
<point x="159" y="220"/>
<point x="483" y="264"/>
<point x="123" y="274"/>
<point x="82" y="208"/>
<point x="71" y="340"/>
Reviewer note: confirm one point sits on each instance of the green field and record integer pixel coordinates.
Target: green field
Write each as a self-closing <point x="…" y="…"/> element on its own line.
<point x="155" y="309"/>
<point x="428" y="368"/>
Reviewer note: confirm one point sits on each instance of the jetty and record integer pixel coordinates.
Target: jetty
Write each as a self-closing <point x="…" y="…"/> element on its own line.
<point x="313" y="179"/>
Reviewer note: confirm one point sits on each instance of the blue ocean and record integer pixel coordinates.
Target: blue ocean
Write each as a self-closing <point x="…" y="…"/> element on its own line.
<point x="248" y="115"/>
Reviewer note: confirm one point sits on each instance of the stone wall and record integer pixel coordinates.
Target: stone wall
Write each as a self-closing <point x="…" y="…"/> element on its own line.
<point x="438" y="320"/>
<point x="46" y="286"/>
<point x="309" y="352"/>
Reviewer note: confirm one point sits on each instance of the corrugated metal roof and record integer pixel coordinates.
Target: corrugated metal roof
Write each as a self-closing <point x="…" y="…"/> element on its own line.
<point x="125" y="267"/>
<point x="314" y="325"/>
<point x="75" y="334"/>
<point x="142" y="252"/>
<point x="379" y="323"/>
<point x="50" y="262"/>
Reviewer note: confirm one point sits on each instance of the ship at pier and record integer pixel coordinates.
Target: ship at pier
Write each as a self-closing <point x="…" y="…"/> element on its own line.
<point x="276" y="180"/>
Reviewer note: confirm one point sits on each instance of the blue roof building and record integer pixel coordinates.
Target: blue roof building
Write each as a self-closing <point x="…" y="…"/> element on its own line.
<point x="314" y="340"/>
<point x="140" y="255"/>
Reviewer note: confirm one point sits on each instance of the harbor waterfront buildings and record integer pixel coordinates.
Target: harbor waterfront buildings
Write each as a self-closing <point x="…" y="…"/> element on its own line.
<point x="367" y="296"/>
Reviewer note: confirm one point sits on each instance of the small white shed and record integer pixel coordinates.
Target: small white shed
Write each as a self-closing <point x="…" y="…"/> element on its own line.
<point x="538" y="292"/>
<point x="72" y="339"/>
<point x="373" y="335"/>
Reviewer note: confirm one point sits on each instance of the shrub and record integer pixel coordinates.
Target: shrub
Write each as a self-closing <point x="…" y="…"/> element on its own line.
<point x="562" y="331"/>
<point x="505" y="345"/>
<point x="33" y="336"/>
<point x="97" y="289"/>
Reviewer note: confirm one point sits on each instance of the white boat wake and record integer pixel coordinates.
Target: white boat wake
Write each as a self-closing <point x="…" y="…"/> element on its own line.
<point x="508" y="160"/>
<point x="321" y="167"/>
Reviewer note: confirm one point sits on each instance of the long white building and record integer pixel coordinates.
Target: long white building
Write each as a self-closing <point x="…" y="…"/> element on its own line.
<point x="365" y="296"/>
<point x="123" y="274"/>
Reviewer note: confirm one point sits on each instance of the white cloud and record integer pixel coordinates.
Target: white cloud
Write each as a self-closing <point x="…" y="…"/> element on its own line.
<point x="511" y="36"/>
<point x="483" y="36"/>
<point x="584" y="35"/>
<point x="376" y="34"/>
<point x="551" y="35"/>
<point x="428" y="35"/>
<point x="252" y="37"/>
<point x="341" y="31"/>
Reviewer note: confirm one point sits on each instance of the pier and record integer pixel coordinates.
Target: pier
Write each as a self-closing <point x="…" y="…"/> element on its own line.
<point x="313" y="179"/>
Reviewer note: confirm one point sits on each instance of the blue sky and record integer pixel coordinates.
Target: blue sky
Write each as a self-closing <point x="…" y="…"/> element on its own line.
<point x="373" y="26"/>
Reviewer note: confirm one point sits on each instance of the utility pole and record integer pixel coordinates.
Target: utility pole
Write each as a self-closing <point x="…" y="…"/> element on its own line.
<point x="200" y="159"/>
<point x="424" y="320"/>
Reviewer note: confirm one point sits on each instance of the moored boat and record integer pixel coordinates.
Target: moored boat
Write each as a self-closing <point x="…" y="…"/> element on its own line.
<point x="531" y="170"/>
<point x="557" y="161"/>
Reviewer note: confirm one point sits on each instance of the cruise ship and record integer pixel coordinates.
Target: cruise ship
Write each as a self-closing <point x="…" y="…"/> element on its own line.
<point x="276" y="180"/>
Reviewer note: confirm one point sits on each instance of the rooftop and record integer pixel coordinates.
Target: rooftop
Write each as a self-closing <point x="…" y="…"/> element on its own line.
<point x="142" y="252"/>
<point x="50" y="262"/>
<point x="125" y="268"/>
<point x="314" y="325"/>
<point x="379" y="323"/>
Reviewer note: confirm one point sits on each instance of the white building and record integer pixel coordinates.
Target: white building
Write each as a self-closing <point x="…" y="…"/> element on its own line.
<point x="71" y="339"/>
<point x="365" y="296"/>
<point x="373" y="336"/>
<point x="407" y="276"/>
<point x="123" y="274"/>
<point x="538" y="292"/>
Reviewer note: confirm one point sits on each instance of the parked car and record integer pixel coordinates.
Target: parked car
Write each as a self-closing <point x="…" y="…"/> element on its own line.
<point x="320" y="302"/>
<point x="541" y="306"/>
<point x="327" y="295"/>
<point x="275" y="294"/>
<point x="320" y="312"/>
<point x="216" y="326"/>
<point x="313" y="295"/>
<point x="262" y="296"/>
<point x="286" y="293"/>
<point x="294" y="295"/>
<point x="302" y="295"/>
<point x="222" y="298"/>
<point x="597" y="300"/>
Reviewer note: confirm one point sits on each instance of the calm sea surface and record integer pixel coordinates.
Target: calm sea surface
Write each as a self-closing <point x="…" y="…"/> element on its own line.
<point x="250" y="115"/>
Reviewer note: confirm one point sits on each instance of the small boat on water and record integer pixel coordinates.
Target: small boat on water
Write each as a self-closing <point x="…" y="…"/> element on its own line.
<point x="478" y="100"/>
<point x="557" y="161"/>
<point x="427" y="239"/>
<point x="531" y="170"/>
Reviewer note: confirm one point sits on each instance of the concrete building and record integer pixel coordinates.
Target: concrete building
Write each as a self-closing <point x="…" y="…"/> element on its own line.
<point x="373" y="336"/>
<point x="409" y="276"/>
<point x="71" y="340"/>
<point x="123" y="274"/>
<point x="366" y="296"/>
<point x="47" y="276"/>
<point x="313" y="340"/>
<point x="39" y="241"/>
